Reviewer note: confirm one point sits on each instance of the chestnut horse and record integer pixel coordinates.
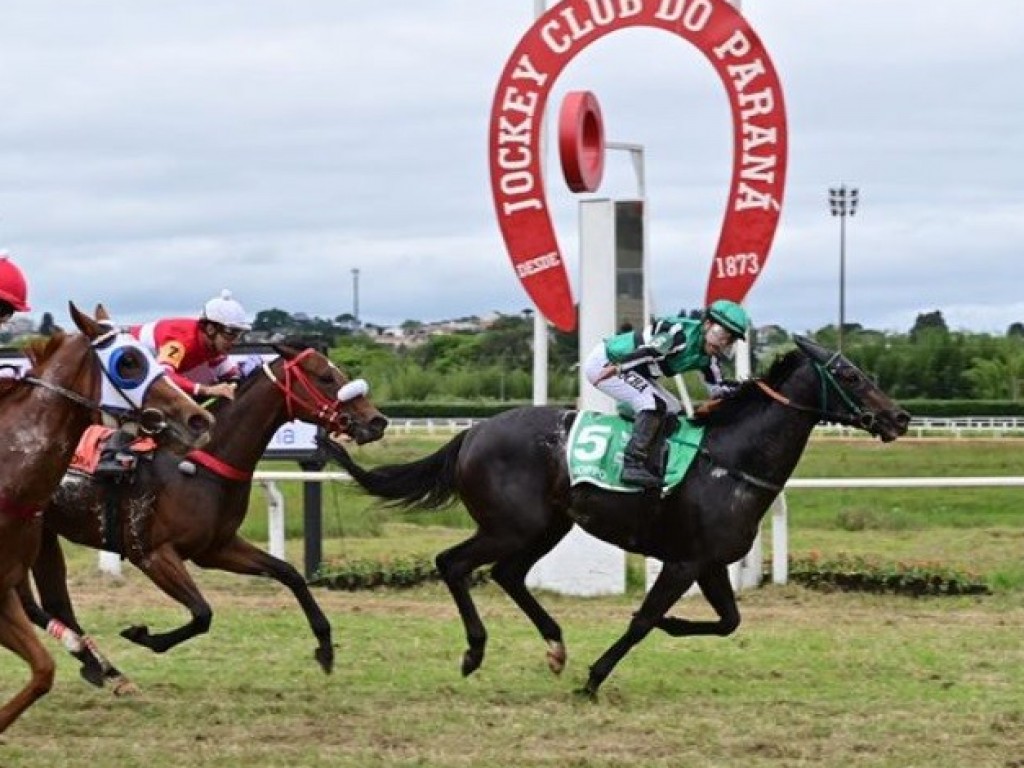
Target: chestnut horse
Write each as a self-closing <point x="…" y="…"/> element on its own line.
<point x="42" y="415"/>
<point x="176" y="511"/>
<point x="510" y="472"/>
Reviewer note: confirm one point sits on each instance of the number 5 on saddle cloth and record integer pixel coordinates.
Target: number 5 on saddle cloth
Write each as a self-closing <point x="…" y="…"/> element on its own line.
<point x="596" y="442"/>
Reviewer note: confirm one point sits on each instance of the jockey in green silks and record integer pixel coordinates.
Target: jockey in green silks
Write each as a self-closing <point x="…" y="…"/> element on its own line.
<point x="627" y="366"/>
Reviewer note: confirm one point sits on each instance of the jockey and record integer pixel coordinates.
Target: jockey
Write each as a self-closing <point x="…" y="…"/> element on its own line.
<point x="626" y="367"/>
<point x="194" y="353"/>
<point x="13" y="289"/>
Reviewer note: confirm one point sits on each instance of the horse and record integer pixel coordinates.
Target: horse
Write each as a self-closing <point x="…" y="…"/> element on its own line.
<point x="174" y="512"/>
<point x="510" y="472"/>
<point x="42" y="414"/>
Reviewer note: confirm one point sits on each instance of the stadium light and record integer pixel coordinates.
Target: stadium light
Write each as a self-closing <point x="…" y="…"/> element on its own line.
<point x="842" y="201"/>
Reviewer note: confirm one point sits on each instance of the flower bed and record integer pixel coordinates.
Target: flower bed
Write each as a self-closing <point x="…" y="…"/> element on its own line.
<point x="867" y="574"/>
<point x="400" y="572"/>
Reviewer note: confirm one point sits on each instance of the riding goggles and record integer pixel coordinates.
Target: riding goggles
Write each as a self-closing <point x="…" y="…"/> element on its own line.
<point x="720" y="340"/>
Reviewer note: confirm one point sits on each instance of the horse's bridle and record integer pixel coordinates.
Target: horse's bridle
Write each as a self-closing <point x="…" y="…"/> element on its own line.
<point x="854" y="416"/>
<point x="150" y="420"/>
<point x="327" y="411"/>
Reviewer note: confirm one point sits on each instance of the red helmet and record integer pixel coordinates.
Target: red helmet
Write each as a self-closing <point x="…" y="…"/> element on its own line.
<point x="12" y="285"/>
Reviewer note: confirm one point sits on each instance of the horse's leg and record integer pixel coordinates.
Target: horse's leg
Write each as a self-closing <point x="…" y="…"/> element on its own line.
<point x="672" y="582"/>
<point x="18" y="635"/>
<point x="717" y="589"/>
<point x="239" y="556"/>
<point x="56" y="616"/>
<point x="166" y="569"/>
<point x="510" y="572"/>
<point x="455" y="566"/>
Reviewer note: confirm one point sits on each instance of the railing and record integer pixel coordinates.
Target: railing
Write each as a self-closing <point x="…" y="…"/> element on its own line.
<point x="958" y="427"/>
<point x="744" y="572"/>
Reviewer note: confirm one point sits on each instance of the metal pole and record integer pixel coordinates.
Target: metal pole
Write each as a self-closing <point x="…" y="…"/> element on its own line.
<point x="842" y="201"/>
<point x="355" y="296"/>
<point x="540" y="324"/>
<point x="842" y="277"/>
<point x="312" y="520"/>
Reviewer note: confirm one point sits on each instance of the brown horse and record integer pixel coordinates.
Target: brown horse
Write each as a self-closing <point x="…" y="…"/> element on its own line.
<point x="176" y="511"/>
<point x="42" y="415"/>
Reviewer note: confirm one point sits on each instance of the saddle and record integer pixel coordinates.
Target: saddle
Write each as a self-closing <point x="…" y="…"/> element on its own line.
<point x="87" y="453"/>
<point x="596" y="442"/>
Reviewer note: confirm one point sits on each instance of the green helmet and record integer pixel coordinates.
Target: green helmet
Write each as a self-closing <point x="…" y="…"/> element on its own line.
<point x="730" y="316"/>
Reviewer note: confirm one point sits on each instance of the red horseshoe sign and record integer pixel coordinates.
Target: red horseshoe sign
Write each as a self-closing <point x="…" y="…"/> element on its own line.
<point x="759" y="138"/>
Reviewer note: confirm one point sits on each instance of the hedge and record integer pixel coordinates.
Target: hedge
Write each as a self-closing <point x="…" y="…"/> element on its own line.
<point x="486" y="409"/>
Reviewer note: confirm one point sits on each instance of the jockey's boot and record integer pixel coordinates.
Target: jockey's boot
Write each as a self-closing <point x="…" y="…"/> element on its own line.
<point x="644" y="444"/>
<point x="116" y="460"/>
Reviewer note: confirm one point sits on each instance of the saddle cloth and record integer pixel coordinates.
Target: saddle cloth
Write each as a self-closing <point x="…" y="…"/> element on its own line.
<point x="596" y="442"/>
<point x="87" y="454"/>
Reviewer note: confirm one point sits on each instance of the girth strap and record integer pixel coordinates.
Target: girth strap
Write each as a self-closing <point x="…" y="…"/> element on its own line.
<point x="739" y="474"/>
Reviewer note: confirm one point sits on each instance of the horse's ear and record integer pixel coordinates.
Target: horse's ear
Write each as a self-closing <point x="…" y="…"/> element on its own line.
<point x="286" y="351"/>
<point x="85" y="324"/>
<point x="812" y="348"/>
<point x="101" y="313"/>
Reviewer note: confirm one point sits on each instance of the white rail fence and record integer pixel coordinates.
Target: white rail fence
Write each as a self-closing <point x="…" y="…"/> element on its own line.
<point x="745" y="573"/>
<point x="959" y="427"/>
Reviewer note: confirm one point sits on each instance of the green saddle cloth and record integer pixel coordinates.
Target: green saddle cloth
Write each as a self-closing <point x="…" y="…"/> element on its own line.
<point x="596" y="442"/>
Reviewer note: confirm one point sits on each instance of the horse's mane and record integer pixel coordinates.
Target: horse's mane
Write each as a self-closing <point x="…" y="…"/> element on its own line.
<point x="731" y="408"/>
<point x="247" y="381"/>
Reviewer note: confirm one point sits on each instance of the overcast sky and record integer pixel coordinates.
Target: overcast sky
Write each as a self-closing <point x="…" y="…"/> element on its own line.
<point x="152" y="153"/>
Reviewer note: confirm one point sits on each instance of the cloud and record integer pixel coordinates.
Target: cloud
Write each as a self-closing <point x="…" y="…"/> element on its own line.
<point x="152" y="154"/>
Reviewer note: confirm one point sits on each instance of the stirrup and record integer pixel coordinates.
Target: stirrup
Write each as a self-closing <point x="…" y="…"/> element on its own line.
<point x="116" y="466"/>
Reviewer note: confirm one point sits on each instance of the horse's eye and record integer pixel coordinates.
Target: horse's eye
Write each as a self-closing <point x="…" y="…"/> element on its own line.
<point x="128" y="365"/>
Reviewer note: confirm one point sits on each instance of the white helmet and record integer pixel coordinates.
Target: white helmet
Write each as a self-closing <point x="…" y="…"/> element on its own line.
<point x="225" y="311"/>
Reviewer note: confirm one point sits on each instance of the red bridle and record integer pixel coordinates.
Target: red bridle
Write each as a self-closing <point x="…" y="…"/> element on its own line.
<point x="327" y="410"/>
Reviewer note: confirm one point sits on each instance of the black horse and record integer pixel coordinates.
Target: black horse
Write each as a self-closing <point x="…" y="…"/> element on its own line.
<point x="510" y="472"/>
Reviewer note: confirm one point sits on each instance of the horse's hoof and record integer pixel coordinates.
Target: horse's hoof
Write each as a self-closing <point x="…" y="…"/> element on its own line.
<point x="556" y="656"/>
<point x="92" y="674"/>
<point x="471" y="661"/>
<point x="137" y="634"/>
<point x="586" y="693"/>
<point x="125" y="687"/>
<point x="324" y="656"/>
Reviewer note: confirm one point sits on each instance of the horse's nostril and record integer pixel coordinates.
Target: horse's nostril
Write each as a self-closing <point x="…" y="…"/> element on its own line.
<point x="200" y="423"/>
<point x="379" y="424"/>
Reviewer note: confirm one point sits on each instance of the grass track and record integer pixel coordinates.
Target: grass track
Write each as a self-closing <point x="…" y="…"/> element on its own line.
<point x="809" y="679"/>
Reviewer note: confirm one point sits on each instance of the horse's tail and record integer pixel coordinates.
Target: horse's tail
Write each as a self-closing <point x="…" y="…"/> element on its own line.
<point x="427" y="483"/>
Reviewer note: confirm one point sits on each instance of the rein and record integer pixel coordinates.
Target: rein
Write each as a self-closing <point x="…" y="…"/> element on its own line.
<point x="325" y="409"/>
<point x="853" y="418"/>
<point x="823" y="414"/>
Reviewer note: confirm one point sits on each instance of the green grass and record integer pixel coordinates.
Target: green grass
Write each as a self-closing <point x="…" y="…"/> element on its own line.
<point x="809" y="679"/>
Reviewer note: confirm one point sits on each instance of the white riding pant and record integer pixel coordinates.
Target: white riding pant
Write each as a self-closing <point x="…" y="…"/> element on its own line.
<point x="628" y="386"/>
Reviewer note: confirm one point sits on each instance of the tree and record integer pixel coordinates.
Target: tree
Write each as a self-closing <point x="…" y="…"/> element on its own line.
<point x="46" y="326"/>
<point x="347" y="322"/>
<point x="1016" y="329"/>
<point x="272" y="320"/>
<point x="929" y="321"/>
